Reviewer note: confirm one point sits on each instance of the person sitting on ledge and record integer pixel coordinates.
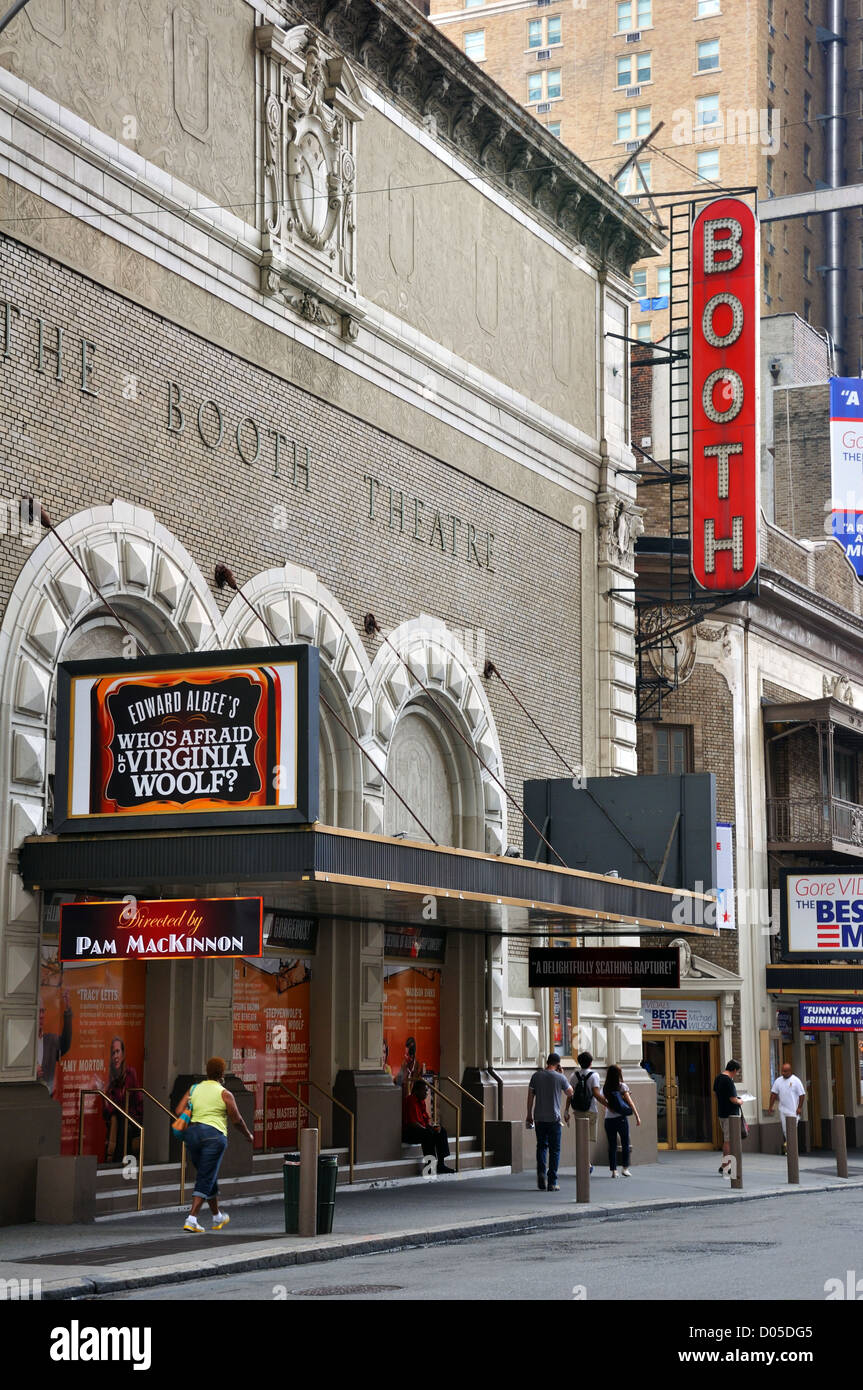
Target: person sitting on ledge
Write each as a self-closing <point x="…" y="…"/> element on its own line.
<point x="418" y="1128"/>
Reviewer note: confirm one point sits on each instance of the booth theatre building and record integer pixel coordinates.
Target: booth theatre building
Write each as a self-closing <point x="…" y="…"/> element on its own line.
<point x="309" y="369"/>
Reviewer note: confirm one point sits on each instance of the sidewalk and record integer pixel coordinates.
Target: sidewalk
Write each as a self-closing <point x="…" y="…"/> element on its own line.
<point x="137" y="1252"/>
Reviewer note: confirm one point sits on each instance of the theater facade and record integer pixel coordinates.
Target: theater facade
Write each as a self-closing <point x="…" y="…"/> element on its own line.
<point x="311" y="383"/>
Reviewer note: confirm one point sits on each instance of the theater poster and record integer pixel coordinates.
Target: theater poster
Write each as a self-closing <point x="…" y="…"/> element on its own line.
<point x="216" y="738"/>
<point x="411" y="1021"/>
<point x="91" y="1037"/>
<point x="271" y="1041"/>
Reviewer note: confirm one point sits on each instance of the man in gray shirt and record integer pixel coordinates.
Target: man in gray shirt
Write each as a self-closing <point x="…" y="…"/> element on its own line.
<point x="545" y="1090"/>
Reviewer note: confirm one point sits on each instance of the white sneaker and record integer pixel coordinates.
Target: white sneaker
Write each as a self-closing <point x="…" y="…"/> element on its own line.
<point x="626" y="1173"/>
<point x="220" y="1219"/>
<point x="614" y="1173"/>
<point x="193" y="1224"/>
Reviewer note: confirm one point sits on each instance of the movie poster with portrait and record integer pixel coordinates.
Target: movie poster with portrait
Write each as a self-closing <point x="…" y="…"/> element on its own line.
<point x="91" y="1037"/>
<point x="271" y="1041"/>
<point x="411" y="1022"/>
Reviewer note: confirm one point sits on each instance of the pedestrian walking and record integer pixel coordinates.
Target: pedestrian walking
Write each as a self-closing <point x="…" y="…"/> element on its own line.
<point x="206" y="1139"/>
<point x="789" y="1090"/>
<point x="586" y="1094"/>
<point x="545" y="1089"/>
<point x="728" y="1103"/>
<point x="620" y="1106"/>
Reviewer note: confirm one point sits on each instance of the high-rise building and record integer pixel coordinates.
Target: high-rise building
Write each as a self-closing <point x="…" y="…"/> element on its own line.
<point x="750" y="94"/>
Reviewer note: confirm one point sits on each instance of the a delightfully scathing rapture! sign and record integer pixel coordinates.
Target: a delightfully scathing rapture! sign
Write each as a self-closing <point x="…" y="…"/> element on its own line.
<point x="161" y="929"/>
<point x="210" y="738"/>
<point x="626" y="967"/>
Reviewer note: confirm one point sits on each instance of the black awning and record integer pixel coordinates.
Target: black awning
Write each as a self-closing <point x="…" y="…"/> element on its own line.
<point x="325" y="871"/>
<point x="815" y="979"/>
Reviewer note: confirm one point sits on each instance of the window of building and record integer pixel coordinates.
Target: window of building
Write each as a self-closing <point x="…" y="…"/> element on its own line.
<point x="634" y="14"/>
<point x="707" y="165"/>
<point x="770" y="56"/>
<point x="844" y="774"/>
<point x="553" y="30"/>
<point x="785" y="238"/>
<point x="807" y="224"/>
<point x="860" y="104"/>
<point x="534" y="87"/>
<point x="639" y="280"/>
<point x="779" y="284"/>
<point x="807" y="310"/>
<point x="624" y="125"/>
<point x="552" y="84"/>
<point x="646" y="168"/>
<point x="472" y="4"/>
<point x="644" y="332"/>
<point x="860" y="154"/>
<point x="474" y="45"/>
<point x="767" y="281"/>
<point x="807" y="105"/>
<point x="708" y="55"/>
<point x="807" y="263"/>
<point x="671" y="751"/>
<point x="663" y="279"/>
<point x="634" y="69"/>
<point x="706" y="7"/>
<point x="807" y="55"/>
<point x="770" y="163"/>
<point x="534" y="33"/>
<point x="553" y="128"/>
<point x="860" y="254"/>
<point x="807" y="162"/>
<point x="769" y="11"/>
<point x="807" y="10"/>
<point x="707" y="110"/>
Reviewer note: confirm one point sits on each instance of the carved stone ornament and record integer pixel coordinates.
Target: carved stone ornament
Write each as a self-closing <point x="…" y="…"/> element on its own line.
<point x="311" y="104"/>
<point x="620" y="524"/>
<point x="838" y="688"/>
<point x="678" y="650"/>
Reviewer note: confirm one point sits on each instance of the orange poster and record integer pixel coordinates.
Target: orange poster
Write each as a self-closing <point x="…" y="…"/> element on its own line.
<point x="91" y="1037"/>
<point x="411" y="1021"/>
<point x="271" y="1040"/>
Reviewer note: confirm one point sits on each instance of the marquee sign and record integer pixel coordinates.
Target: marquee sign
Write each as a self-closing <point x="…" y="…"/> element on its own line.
<point x="215" y="738"/>
<point x="724" y="329"/>
<point x="161" y="929"/>
<point x="822" y="913"/>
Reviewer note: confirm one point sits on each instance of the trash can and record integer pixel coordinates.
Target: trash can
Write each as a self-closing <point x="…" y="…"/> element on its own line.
<point x="291" y="1180"/>
<point x="328" y="1174"/>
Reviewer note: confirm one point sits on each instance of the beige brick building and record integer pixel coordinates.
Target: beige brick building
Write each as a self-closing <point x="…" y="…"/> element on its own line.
<point x="739" y="86"/>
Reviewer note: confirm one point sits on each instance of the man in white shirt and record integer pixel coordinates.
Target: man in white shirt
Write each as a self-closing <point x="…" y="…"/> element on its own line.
<point x="790" y="1092"/>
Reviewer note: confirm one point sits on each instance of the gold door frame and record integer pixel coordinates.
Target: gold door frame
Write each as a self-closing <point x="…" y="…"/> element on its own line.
<point x="672" y="1089"/>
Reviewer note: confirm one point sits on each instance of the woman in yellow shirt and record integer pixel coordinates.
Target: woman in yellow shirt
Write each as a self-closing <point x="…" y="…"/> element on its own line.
<point x="206" y="1139"/>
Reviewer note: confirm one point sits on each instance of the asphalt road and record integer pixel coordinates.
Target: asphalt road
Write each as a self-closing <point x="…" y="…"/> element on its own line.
<point x="770" y="1249"/>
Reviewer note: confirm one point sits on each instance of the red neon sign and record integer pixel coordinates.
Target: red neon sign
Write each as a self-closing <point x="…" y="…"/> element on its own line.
<point x="724" y="319"/>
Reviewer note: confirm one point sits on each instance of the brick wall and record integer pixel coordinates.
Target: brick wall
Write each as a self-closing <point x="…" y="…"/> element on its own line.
<point x="801" y="425"/>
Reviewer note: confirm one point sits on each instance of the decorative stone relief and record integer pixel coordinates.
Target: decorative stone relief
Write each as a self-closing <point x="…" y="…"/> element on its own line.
<point x="838" y="688"/>
<point x="50" y="19"/>
<point x="191" y="74"/>
<point x="680" y="646"/>
<point x="311" y="104"/>
<point x="620" y="524"/>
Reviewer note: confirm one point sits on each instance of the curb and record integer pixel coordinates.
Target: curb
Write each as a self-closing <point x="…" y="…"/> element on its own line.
<point x="290" y="1255"/>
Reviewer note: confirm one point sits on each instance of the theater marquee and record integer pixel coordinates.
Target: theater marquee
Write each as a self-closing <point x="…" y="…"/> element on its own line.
<point x="161" y="929"/>
<point x="216" y="738"/>
<point x="724" y="328"/>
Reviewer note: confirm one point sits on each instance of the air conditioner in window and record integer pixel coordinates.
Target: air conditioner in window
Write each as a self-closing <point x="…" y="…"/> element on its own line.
<point x="771" y="85"/>
<point x="632" y="145"/>
<point x="540" y="3"/>
<point x="634" y="37"/>
<point x="633" y="91"/>
<point x="543" y="55"/>
<point x="771" y="29"/>
<point x="543" y="107"/>
<point x="771" y="249"/>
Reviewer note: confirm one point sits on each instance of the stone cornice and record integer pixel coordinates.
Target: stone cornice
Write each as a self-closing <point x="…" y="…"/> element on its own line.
<point x="418" y="68"/>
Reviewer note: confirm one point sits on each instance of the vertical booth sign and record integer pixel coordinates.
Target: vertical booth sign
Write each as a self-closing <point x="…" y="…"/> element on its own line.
<point x="724" y="332"/>
<point x="846" y="466"/>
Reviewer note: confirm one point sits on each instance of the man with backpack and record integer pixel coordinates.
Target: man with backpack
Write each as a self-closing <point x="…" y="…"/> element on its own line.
<point x="586" y="1095"/>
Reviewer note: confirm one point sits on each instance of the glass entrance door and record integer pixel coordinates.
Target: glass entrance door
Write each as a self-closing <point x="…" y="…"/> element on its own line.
<point x="813" y="1096"/>
<point x="682" y="1069"/>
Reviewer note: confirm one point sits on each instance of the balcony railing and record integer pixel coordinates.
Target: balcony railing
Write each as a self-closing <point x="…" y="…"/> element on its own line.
<point x="814" y="820"/>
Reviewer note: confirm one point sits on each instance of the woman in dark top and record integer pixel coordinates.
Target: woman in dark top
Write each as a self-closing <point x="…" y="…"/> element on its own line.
<point x="618" y="1095"/>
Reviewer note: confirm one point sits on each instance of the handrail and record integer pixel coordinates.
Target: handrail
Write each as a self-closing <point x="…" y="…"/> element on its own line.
<point x="96" y="1092"/>
<point x="457" y="1110"/>
<point x="481" y="1105"/>
<point x="268" y="1086"/>
<point x="351" y="1117"/>
<point x="172" y="1117"/>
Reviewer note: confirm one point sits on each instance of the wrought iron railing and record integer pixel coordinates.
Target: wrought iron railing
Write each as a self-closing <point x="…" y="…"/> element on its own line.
<point x="813" y="820"/>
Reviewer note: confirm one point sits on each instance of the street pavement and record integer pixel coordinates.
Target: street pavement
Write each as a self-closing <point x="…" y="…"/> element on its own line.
<point x="146" y="1251"/>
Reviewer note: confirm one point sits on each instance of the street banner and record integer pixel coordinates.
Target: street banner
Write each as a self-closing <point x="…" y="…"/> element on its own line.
<point x="271" y="1042"/>
<point x="91" y="1037"/>
<point x="161" y="929"/>
<point x="726" y="916"/>
<point x="411" y="1022"/>
<point x="216" y="738"/>
<point x="846" y="466"/>
<point x="829" y="1016"/>
<point x="624" y="967"/>
<point x="679" y="1015"/>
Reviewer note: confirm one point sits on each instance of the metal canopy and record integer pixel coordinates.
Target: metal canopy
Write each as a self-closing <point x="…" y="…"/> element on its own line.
<point x="825" y="711"/>
<point x="323" y="871"/>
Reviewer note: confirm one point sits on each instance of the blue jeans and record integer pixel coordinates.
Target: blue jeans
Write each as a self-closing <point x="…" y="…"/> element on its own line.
<point x="206" y="1146"/>
<point x="619" y="1125"/>
<point x="547" y="1143"/>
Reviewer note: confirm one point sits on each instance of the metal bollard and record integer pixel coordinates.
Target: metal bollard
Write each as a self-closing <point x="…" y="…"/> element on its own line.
<point x="582" y="1158"/>
<point x="736" y="1142"/>
<point x="792" y="1150"/>
<point x="308" y="1182"/>
<point x="840" y="1146"/>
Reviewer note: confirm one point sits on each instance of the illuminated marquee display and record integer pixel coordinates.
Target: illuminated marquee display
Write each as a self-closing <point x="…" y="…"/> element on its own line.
<point x="724" y="320"/>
